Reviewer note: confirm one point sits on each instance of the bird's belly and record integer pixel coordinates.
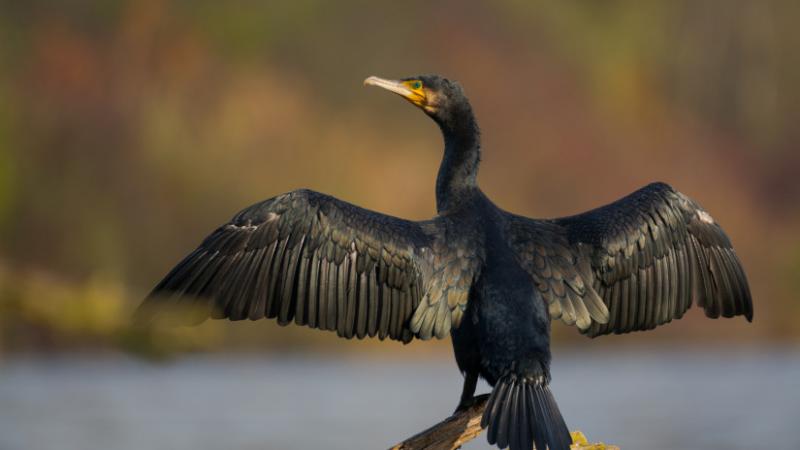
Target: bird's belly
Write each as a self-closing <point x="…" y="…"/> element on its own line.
<point x="505" y="328"/>
<point x="466" y="345"/>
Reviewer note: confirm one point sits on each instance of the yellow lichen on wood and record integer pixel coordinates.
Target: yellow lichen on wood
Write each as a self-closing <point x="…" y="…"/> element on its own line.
<point x="579" y="442"/>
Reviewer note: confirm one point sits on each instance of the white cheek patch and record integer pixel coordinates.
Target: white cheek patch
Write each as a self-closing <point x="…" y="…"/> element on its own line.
<point x="705" y="217"/>
<point x="431" y="102"/>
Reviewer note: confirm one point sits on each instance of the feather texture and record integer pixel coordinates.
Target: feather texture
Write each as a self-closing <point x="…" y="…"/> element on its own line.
<point x="650" y="255"/>
<point x="315" y="260"/>
<point x="521" y="413"/>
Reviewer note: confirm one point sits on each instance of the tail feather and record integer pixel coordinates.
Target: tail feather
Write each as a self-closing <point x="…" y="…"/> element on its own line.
<point x="521" y="412"/>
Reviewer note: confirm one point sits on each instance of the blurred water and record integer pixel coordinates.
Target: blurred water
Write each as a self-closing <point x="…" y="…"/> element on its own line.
<point x="639" y="400"/>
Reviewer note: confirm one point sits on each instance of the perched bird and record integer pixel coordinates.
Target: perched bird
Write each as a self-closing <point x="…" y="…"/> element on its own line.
<point x="491" y="279"/>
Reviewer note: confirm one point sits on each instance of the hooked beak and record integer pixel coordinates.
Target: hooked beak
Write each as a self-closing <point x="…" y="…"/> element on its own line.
<point x="398" y="87"/>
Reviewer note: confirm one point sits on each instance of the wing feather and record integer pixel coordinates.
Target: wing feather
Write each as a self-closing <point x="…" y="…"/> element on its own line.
<point x="649" y="256"/>
<point x="315" y="260"/>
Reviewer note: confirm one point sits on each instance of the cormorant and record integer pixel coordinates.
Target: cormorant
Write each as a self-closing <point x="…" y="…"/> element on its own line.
<point x="491" y="279"/>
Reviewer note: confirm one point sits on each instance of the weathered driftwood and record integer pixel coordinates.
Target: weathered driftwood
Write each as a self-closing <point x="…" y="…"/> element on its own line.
<point x="464" y="426"/>
<point x="451" y="433"/>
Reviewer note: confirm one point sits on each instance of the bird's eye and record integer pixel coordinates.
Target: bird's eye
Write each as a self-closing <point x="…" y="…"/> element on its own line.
<point x="416" y="85"/>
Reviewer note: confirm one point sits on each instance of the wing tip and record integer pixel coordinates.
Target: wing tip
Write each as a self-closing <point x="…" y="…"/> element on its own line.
<point x="749" y="315"/>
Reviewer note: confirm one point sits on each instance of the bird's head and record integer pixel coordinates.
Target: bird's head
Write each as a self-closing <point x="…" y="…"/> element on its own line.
<point x="440" y="98"/>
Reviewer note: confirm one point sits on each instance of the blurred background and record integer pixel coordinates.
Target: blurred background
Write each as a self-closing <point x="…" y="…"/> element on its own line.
<point x="131" y="129"/>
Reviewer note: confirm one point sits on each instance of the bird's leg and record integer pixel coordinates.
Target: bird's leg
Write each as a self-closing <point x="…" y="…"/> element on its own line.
<point x="468" y="394"/>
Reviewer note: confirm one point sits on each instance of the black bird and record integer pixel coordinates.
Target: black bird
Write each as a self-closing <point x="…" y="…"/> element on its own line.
<point x="491" y="279"/>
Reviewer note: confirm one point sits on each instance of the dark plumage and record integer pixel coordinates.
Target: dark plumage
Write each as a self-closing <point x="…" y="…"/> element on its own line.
<point x="491" y="279"/>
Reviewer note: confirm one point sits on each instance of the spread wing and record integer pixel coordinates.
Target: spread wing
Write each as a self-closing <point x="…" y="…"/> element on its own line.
<point x="318" y="261"/>
<point x="633" y="264"/>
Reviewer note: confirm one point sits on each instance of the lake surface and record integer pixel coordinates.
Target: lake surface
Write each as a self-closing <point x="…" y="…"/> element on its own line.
<point x="658" y="399"/>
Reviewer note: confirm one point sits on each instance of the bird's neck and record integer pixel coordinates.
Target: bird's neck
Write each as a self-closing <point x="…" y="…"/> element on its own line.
<point x="457" y="179"/>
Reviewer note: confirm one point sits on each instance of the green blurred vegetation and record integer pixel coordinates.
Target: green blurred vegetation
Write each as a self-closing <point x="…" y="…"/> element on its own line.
<point x="130" y="129"/>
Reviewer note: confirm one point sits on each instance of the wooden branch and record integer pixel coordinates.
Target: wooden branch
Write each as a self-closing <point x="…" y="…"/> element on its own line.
<point x="464" y="426"/>
<point x="451" y="433"/>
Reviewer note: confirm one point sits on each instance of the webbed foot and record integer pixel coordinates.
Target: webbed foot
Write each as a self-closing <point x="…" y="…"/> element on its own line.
<point x="464" y="405"/>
